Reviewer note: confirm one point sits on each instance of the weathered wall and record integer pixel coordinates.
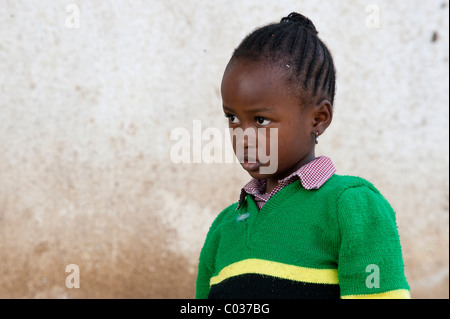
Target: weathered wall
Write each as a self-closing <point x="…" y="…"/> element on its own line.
<point x="86" y="113"/>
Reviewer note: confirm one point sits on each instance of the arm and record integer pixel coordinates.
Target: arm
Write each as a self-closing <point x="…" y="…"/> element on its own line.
<point x="208" y="256"/>
<point x="202" y="284"/>
<point x="370" y="255"/>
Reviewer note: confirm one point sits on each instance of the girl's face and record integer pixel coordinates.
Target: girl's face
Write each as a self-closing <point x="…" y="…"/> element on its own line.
<point x="255" y="96"/>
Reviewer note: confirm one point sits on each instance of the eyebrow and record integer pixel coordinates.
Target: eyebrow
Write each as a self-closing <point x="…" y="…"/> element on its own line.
<point x="227" y="109"/>
<point x="261" y="110"/>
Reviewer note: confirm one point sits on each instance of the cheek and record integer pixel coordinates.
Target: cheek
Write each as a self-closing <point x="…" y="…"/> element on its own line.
<point x="292" y="145"/>
<point x="275" y="143"/>
<point x="268" y="140"/>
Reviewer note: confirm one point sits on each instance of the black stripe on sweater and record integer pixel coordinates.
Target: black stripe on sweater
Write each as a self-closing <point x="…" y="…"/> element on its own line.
<point x="254" y="286"/>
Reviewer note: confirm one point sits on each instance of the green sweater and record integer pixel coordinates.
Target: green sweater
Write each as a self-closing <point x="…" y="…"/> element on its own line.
<point x="338" y="241"/>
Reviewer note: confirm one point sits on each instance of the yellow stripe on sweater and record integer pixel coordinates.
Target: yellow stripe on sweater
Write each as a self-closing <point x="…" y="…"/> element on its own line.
<point x="393" y="294"/>
<point x="276" y="269"/>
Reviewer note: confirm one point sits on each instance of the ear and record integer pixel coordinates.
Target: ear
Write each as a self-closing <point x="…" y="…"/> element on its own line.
<point x="323" y="115"/>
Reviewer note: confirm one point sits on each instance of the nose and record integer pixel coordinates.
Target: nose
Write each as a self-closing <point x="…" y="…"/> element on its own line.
<point x="245" y="137"/>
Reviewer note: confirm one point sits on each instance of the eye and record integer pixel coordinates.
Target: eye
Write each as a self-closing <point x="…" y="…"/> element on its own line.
<point x="262" y="121"/>
<point x="232" y="119"/>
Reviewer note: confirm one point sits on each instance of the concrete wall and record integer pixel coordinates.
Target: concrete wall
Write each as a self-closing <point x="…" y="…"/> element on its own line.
<point x="91" y="90"/>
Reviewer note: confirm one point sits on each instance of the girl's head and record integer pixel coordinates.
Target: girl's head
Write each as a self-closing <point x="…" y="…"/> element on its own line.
<point x="294" y="47"/>
<point x="282" y="76"/>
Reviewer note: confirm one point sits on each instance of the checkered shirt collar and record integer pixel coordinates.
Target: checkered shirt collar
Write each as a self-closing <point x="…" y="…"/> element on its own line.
<point x="312" y="176"/>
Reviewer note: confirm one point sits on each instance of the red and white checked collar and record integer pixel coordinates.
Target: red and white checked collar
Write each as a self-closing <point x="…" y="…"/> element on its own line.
<point x="312" y="175"/>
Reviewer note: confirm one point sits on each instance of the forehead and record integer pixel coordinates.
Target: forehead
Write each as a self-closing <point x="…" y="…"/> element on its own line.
<point x="251" y="81"/>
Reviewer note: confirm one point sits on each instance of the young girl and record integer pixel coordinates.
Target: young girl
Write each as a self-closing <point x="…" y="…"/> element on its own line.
<point x="303" y="231"/>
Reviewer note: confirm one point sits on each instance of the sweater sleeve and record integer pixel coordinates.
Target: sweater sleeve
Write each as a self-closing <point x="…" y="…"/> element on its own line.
<point x="202" y="284"/>
<point x="370" y="257"/>
<point x="208" y="256"/>
<point x="206" y="265"/>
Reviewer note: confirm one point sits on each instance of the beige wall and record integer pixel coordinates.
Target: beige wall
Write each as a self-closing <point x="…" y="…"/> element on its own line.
<point x="86" y="113"/>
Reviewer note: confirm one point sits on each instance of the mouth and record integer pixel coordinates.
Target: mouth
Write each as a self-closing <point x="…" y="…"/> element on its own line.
<point x="250" y="164"/>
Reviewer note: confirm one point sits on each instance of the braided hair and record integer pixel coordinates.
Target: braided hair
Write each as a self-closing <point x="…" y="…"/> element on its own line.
<point x="293" y="44"/>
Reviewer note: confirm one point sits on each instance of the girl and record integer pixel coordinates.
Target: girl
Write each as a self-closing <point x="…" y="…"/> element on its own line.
<point x="302" y="231"/>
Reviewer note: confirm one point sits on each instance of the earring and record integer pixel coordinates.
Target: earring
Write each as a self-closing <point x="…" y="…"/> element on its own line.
<point x="317" y="135"/>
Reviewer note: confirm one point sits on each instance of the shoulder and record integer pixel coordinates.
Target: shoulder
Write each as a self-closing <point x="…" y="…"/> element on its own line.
<point x="356" y="189"/>
<point x="359" y="201"/>
<point x="223" y="216"/>
<point x="213" y="235"/>
<point x="353" y="193"/>
<point x="339" y="187"/>
<point x="227" y="212"/>
<point x="344" y="182"/>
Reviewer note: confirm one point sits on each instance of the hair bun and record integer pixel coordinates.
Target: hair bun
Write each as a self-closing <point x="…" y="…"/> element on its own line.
<point x="295" y="17"/>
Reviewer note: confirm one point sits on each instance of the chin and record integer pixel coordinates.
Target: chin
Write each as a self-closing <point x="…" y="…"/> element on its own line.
<point x="258" y="175"/>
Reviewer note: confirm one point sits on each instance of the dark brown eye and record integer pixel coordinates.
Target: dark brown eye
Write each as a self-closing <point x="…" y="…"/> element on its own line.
<point x="232" y="118"/>
<point x="262" y="121"/>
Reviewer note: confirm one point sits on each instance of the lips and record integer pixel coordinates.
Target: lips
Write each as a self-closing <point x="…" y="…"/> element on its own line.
<point x="250" y="164"/>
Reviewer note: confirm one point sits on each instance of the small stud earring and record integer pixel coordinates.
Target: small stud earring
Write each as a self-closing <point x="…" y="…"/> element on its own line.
<point x="317" y="135"/>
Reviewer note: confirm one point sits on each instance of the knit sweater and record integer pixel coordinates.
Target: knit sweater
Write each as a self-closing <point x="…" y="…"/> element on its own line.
<point x="338" y="241"/>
